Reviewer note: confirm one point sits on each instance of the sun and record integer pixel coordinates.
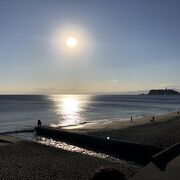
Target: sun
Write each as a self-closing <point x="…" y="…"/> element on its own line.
<point x="71" y="42"/>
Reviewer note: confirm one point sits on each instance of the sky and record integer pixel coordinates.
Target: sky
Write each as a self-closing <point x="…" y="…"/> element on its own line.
<point x="123" y="45"/>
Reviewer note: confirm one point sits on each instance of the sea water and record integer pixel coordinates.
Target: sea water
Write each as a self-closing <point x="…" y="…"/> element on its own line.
<point x="19" y="112"/>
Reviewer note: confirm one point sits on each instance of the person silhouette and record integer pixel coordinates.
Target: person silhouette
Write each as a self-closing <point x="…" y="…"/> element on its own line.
<point x="39" y="123"/>
<point x="131" y="119"/>
<point x="153" y="119"/>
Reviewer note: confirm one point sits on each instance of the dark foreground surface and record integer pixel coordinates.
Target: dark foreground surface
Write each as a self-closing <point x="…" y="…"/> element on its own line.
<point x="28" y="160"/>
<point x="164" y="166"/>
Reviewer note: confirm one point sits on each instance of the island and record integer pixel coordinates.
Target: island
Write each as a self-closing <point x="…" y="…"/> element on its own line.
<point x="163" y="92"/>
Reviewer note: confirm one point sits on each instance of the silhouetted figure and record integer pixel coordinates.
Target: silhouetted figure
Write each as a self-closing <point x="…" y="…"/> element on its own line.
<point x="131" y="119"/>
<point x="39" y="123"/>
<point x="178" y="112"/>
<point x="153" y="119"/>
<point x="108" y="173"/>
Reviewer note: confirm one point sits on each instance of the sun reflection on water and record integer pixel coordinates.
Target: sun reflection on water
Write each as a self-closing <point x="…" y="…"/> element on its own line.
<point x="69" y="108"/>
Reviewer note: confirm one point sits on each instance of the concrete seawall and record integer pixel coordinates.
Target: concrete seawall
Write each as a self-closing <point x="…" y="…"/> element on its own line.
<point x="141" y="154"/>
<point x="165" y="165"/>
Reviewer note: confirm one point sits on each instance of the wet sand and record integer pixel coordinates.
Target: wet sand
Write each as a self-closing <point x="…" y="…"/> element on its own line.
<point x="31" y="161"/>
<point x="112" y="125"/>
<point x="164" y="132"/>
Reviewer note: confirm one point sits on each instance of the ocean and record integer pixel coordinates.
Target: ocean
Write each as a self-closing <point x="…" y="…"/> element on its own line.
<point x="20" y="112"/>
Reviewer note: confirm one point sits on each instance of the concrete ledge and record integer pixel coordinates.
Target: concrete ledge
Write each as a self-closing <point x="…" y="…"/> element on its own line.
<point x="125" y="150"/>
<point x="165" y="165"/>
<point x="162" y="158"/>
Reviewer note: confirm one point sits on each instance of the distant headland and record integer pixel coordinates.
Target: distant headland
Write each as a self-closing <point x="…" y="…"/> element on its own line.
<point x="163" y="92"/>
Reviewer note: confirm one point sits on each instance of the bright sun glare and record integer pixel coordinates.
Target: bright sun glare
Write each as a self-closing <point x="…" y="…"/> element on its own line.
<point x="70" y="105"/>
<point x="71" y="42"/>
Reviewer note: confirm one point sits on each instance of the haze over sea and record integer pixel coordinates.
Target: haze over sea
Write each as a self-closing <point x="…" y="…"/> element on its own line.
<point x="19" y="112"/>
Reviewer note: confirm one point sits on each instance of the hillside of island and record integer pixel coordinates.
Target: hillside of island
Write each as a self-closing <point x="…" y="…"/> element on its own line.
<point x="163" y="92"/>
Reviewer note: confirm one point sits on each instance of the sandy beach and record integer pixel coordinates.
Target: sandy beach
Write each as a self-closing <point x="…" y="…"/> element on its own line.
<point x="163" y="132"/>
<point x="103" y="126"/>
<point x="29" y="160"/>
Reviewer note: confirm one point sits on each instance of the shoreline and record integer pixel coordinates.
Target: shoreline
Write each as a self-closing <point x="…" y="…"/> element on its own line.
<point x="102" y="126"/>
